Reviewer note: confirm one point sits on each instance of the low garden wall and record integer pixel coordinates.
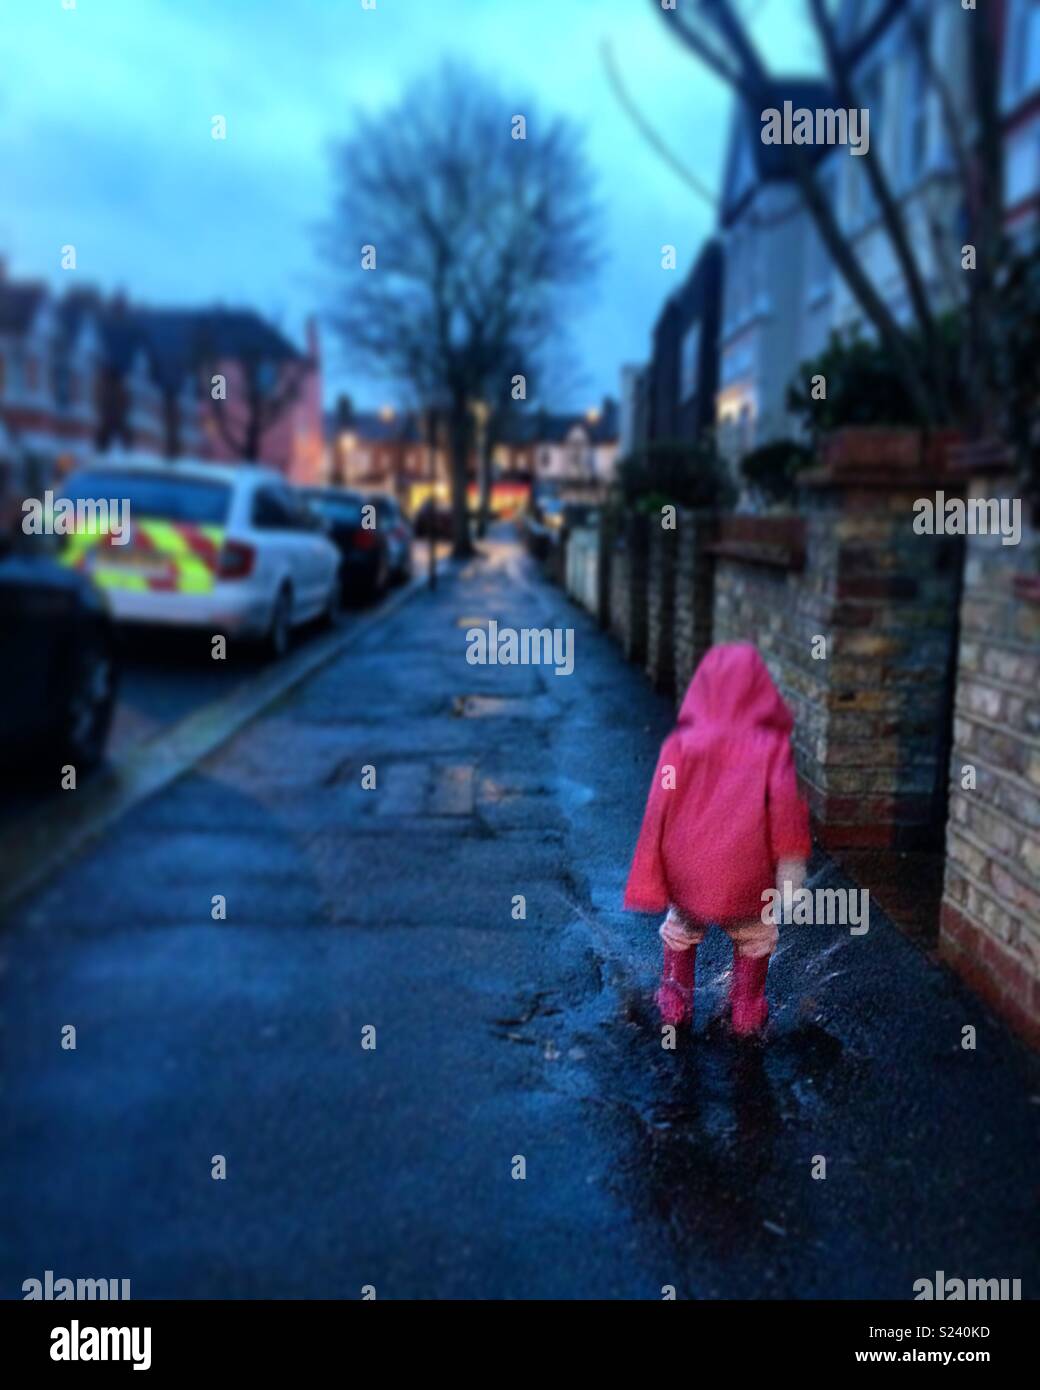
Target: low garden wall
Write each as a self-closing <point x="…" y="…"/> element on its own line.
<point x="857" y="613"/>
<point x="582" y="568"/>
<point x="628" y="587"/>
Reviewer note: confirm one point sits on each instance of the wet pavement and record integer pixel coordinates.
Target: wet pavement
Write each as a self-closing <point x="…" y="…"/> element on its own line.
<point x="497" y="1039"/>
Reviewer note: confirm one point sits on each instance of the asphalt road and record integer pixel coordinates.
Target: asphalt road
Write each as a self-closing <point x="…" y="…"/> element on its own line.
<point x="517" y="1130"/>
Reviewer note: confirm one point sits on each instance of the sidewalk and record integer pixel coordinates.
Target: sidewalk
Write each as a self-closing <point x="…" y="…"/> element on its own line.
<point x="496" y="1038"/>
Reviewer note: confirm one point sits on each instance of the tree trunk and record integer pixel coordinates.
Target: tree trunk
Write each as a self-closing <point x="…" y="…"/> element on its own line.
<point x="484" y="464"/>
<point x="462" y="546"/>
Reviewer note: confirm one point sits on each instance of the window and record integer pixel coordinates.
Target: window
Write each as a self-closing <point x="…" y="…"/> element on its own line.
<point x="915" y="77"/>
<point x="273" y="510"/>
<point x="1021" y="51"/>
<point x="340" y="508"/>
<point x="689" y="362"/>
<point x="873" y="90"/>
<point x="163" y="496"/>
<point x="819" y="268"/>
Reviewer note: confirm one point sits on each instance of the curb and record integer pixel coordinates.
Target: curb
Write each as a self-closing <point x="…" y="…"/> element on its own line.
<point x="44" y="842"/>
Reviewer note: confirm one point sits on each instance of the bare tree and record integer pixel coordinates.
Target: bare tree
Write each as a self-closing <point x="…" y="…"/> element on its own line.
<point x="270" y="377"/>
<point x="479" y="230"/>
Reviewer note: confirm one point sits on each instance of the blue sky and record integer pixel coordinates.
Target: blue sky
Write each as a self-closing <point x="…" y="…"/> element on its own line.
<point x="105" y="141"/>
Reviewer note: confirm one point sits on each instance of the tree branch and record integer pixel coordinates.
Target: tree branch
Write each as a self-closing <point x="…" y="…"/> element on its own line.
<point x="648" y="132"/>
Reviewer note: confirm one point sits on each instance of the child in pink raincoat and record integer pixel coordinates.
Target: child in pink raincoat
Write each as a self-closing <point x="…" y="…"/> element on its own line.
<point x="724" y="824"/>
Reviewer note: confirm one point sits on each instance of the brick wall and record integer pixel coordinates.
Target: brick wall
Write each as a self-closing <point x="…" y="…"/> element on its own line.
<point x="628" y="577"/>
<point x="607" y="529"/>
<point x="762" y="595"/>
<point x="990" y="926"/>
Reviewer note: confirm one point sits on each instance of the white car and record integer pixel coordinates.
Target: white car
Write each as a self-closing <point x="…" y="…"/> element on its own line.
<point x="229" y="549"/>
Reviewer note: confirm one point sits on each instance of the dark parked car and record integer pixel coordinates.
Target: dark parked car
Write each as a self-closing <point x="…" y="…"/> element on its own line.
<point x="364" y="550"/>
<point x="433" y="519"/>
<point x="398" y="534"/>
<point x="58" y="649"/>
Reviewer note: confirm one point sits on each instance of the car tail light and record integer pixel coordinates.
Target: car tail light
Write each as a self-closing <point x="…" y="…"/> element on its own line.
<point x="236" y="560"/>
<point x="365" y="539"/>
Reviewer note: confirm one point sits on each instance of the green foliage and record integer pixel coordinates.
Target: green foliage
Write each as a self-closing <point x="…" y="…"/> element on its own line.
<point x="676" y="473"/>
<point x="864" y="386"/>
<point x="773" y="469"/>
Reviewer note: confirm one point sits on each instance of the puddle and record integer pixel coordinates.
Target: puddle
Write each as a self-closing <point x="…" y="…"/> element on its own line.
<point x="483" y="706"/>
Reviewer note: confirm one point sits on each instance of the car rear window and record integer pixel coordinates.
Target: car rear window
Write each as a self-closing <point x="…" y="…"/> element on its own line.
<point x="342" y="509"/>
<point x="194" y="500"/>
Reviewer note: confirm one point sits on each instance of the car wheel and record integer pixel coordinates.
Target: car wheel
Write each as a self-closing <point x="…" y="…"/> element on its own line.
<point x="279" y="634"/>
<point x="91" y="699"/>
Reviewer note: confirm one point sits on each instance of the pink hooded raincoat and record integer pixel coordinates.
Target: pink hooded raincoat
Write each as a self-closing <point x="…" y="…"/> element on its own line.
<point x="710" y="844"/>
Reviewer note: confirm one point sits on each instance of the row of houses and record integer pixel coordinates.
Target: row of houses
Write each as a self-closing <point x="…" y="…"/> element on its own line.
<point x="388" y="449"/>
<point x="82" y="374"/>
<point x="763" y="294"/>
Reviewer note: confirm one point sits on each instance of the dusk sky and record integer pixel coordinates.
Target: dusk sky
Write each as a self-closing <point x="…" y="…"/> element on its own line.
<point x="105" y="142"/>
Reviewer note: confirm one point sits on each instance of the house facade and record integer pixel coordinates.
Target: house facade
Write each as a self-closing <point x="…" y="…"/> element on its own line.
<point x="82" y="375"/>
<point x="49" y="378"/>
<point x="783" y="297"/>
<point x="1020" y="106"/>
<point x="763" y="231"/>
<point x="890" y="78"/>
<point x="386" y="450"/>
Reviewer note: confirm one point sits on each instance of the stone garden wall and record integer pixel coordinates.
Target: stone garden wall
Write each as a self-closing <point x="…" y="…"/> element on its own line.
<point x="858" y="617"/>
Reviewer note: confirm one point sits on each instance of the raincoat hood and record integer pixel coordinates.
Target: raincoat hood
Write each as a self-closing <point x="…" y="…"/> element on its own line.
<point x="732" y="687"/>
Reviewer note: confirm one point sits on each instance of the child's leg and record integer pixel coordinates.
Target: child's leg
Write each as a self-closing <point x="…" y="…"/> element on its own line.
<point x="753" y="944"/>
<point x="681" y="938"/>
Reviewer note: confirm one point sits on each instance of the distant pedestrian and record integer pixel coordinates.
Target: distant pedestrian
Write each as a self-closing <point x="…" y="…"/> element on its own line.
<point x="724" y="823"/>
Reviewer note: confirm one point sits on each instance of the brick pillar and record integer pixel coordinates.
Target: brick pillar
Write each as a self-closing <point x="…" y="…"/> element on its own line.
<point x="694" y="593"/>
<point x="628" y="575"/>
<point x="660" y="607"/>
<point x="887" y="598"/>
<point x="604" y="563"/>
<point x="872" y="708"/>
<point x="990" y="925"/>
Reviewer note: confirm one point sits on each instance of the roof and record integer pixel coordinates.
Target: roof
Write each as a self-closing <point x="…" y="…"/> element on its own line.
<point x="177" y="340"/>
<point x="19" y="304"/>
<point x="547" y="427"/>
<point x="771" y="163"/>
<point x="524" y="428"/>
<point x="374" y="427"/>
<point x="693" y="297"/>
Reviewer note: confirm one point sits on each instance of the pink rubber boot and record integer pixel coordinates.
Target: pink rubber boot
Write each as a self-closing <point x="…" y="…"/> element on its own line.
<point x="675" y="996"/>
<point x="747" y="993"/>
